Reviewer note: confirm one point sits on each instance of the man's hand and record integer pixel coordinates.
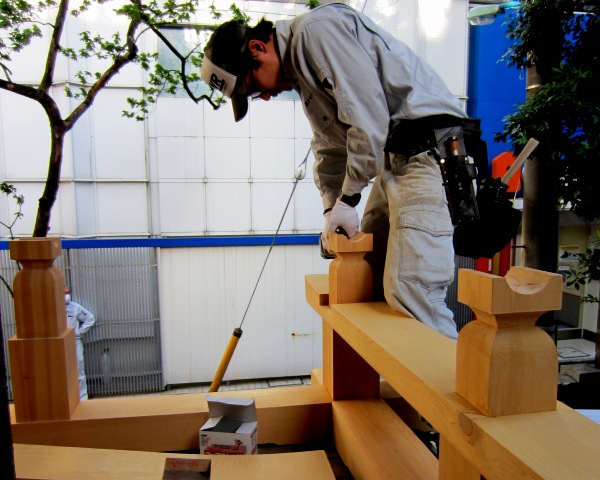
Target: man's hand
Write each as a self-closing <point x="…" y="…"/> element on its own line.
<point x="342" y="216"/>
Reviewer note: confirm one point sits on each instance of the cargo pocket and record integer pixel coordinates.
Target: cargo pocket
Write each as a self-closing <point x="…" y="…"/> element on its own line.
<point x="426" y="255"/>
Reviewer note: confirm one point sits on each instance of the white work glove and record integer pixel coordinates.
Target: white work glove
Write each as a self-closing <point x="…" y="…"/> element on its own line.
<point x="341" y="216"/>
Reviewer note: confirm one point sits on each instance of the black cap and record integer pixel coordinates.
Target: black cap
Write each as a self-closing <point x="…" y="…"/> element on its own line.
<point x="224" y="68"/>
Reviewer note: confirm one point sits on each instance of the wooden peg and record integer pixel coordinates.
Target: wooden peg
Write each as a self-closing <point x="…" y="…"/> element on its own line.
<point x="506" y="365"/>
<point x="350" y="276"/>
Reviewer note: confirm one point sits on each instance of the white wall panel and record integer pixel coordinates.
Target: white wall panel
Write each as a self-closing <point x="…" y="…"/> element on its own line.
<point x="63" y="216"/>
<point x="82" y="160"/>
<point x="119" y="142"/>
<point x="303" y="328"/>
<point x="204" y="294"/>
<point x="272" y="119"/>
<point x="268" y="203"/>
<point x="443" y="25"/>
<point x="122" y="209"/>
<point x="397" y="17"/>
<point x="87" y="209"/>
<point x="308" y="208"/>
<point x="178" y="117"/>
<point x="180" y="158"/>
<point x="220" y="123"/>
<point x="25" y="136"/>
<point x="272" y="158"/>
<point x="228" y="208"/>
<point x="182" y="208"/>
<point x="227" y="158"/>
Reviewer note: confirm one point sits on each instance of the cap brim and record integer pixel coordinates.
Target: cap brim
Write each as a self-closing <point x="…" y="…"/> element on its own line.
<point x="239" y="102"/>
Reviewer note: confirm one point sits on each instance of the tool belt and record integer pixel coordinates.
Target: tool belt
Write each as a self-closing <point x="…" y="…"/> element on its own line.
<point x="484" y="218"/>
<point x="411" y="137"/>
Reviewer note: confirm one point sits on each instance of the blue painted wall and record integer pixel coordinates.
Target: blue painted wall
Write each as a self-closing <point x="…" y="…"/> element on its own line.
<point x="494" y="88"/>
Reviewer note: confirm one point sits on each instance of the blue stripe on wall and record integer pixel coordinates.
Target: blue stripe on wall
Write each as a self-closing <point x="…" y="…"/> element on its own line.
<point x="230" y="241"/>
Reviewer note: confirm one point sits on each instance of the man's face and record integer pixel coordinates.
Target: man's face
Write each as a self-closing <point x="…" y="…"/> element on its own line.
<point x="266" y="81"/>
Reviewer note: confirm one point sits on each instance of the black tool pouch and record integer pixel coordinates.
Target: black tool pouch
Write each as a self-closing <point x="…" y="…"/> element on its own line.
<point x="484" y="218"/>
<point x="498" y="221"/>
<point x="497" y="224"/>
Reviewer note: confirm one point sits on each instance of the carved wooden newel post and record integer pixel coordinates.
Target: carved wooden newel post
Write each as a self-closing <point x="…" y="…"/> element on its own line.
<point x="505" y="365"/>
<point x="345" y="373"/>
<point x="43" y="358"/>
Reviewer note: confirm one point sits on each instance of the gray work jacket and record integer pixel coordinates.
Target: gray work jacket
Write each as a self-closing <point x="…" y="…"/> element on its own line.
<point x="356" y="81"/>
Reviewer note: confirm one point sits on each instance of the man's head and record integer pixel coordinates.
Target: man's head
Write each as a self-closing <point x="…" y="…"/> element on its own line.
<point x="241" y="61"/>
<point x="67" y="295"/>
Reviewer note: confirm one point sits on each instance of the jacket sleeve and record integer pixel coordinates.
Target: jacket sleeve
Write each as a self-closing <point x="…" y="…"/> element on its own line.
<point x="329" y="169"/>
<point x="345" y="67"/>
<point x="85" y="320"/>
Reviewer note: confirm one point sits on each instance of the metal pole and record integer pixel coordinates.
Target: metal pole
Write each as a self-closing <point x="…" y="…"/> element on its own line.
<point x="218" y="378"/>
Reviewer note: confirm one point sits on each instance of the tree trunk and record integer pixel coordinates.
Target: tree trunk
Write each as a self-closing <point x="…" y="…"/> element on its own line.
<point x="540" y="215"/>
<point x="46" y="201"/>
<point x="597" y="357"/>
<point x="540" y="220"/>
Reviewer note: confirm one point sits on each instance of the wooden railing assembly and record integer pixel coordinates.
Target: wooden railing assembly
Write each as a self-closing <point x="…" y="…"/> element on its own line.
<point x="491" y="395"/>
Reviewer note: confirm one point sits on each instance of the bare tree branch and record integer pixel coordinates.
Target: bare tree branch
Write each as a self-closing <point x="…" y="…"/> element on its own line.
<point x="54" y="46"/>
<point x="116" y="66"/>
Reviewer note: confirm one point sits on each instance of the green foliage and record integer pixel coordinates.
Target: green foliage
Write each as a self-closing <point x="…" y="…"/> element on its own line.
<point x="10" y="191"/>
<point x="562" y="39"/>
<point x="587" y="269"/>
<point x="312" y="4"/>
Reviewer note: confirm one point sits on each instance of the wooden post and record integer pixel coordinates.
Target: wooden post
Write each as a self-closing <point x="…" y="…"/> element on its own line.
<point x="505" y="365"/>
<point x="43" y="358"/>
<point x="345" y="373"/>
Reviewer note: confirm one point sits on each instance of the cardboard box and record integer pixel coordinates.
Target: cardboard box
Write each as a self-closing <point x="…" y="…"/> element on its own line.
<point x="231" y="428"/>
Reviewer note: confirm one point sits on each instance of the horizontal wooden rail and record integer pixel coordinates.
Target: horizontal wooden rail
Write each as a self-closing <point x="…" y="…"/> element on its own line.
<point x="421" y="365"/>
<point x="35" y="462"/>
<point x="169" y="423"/>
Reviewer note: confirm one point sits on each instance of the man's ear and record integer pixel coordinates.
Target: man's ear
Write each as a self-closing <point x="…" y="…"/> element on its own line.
<point x="256" y="46"/>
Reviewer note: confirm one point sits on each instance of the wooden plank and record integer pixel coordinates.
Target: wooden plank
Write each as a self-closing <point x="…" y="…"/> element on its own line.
<point x="317" y="287"/>
<point x="375" y="444"/>
<point x="345" y="373"/>
<point x="165" y="423"/>
<point x="453" y="465"/>
<point x="52" y="463"/>
<point x="419" y="364"/>
<point x="288" y="466"/>
<point x="316" y="376"/>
